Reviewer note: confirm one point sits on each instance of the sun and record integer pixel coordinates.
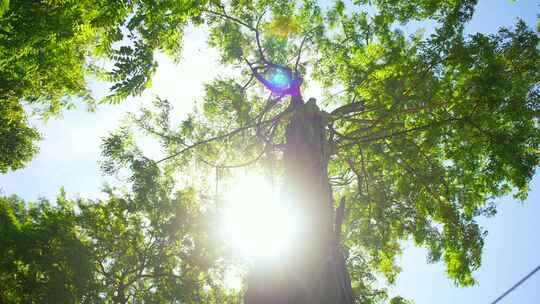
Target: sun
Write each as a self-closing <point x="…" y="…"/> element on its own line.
<point x="257" y="223"/>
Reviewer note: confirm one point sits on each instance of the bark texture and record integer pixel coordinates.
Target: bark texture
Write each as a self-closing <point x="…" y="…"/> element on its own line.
<point x="313" y="271"/>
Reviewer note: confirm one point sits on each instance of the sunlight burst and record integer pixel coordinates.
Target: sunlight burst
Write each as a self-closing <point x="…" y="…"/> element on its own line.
<point x="257" y="224"/>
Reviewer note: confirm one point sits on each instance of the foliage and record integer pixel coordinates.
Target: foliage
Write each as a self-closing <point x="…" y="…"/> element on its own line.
<point x="16" y="137"/>
<point x="47" y="48"/>
<point x="50" y="52"/>
<point x="42" y="259"/>
<point x="149" y="244"/>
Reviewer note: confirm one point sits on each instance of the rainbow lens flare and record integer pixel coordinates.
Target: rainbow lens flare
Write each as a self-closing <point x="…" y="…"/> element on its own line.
<point x="279" y="79"/>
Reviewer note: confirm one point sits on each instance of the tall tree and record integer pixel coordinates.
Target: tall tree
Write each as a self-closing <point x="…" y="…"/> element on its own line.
<point x="416" y="134"/>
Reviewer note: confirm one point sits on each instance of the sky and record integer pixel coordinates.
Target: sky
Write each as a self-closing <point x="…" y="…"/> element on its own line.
<point x="70" y="154"/>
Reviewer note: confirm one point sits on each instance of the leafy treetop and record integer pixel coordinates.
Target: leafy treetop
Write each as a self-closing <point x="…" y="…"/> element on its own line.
<point x="425" y="131"/>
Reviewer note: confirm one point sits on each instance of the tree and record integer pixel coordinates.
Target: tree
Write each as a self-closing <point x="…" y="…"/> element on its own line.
<point x="144" y="245"/>
<point x="43" y="260"/>
<point x="151" y="243"/>
<point x="421" y="135"/>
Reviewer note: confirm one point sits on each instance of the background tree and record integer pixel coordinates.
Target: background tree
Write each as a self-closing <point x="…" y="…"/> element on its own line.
<point x="42" y="258"/>
<point x="144" y="243"/>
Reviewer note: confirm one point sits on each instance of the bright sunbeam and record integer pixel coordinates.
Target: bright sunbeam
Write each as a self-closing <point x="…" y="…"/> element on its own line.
<point x="257" y="223"/>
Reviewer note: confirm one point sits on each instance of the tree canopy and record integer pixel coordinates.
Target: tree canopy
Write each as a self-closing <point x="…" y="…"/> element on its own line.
<point x="424" y="131"/>
<point x="43" y="258"/>
<point x="116" y="250"/>
<point x="51" y="51"/>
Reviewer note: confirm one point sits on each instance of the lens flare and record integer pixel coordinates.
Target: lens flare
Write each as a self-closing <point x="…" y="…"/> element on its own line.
<point x="279" y="79"/>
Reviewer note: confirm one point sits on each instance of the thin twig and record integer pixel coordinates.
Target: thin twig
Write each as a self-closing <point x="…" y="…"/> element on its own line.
<point x="226" y="16"/>
<point x="206" y="141"/>
<point x="257" y="38"/>
<point x="245" y="86"/>
<point x="302" y="45"/>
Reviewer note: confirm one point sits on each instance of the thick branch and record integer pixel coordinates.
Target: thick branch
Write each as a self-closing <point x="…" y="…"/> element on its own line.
<point x="350" y="108"/>
<point x="340" y="216"/>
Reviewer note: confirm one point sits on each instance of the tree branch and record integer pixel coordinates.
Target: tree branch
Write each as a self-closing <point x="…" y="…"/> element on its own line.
<point x="301" y="46"/>
<point x="206" y="141"/>
<point x="257" y="38"/>
<point x="224" y="15"/>
<point x="245" y="86"/>
<point x="340" y="216"/>
<point x="374" y="137"/>
<point x="224" y="136"/>
<point x="355" y="107"/>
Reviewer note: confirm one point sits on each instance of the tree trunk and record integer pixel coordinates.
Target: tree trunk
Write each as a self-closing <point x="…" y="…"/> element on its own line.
<point x="313" y="271"/>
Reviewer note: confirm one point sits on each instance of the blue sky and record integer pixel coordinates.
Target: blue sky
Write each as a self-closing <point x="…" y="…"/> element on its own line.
<point x="70" y="154"/>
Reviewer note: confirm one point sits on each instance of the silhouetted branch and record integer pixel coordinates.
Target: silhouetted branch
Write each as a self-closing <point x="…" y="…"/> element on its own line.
<point x="384" y="134"/>
<point x="226" y="16"/>
<point x="257" y="38"/>
<point x="245" y="86"/>
<point x="306" y="36"/>
<point x="355" y="107"/>
<point x="340" y="216"/>
<point x="206" y="141"/>
<point x="257" y="124"/>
